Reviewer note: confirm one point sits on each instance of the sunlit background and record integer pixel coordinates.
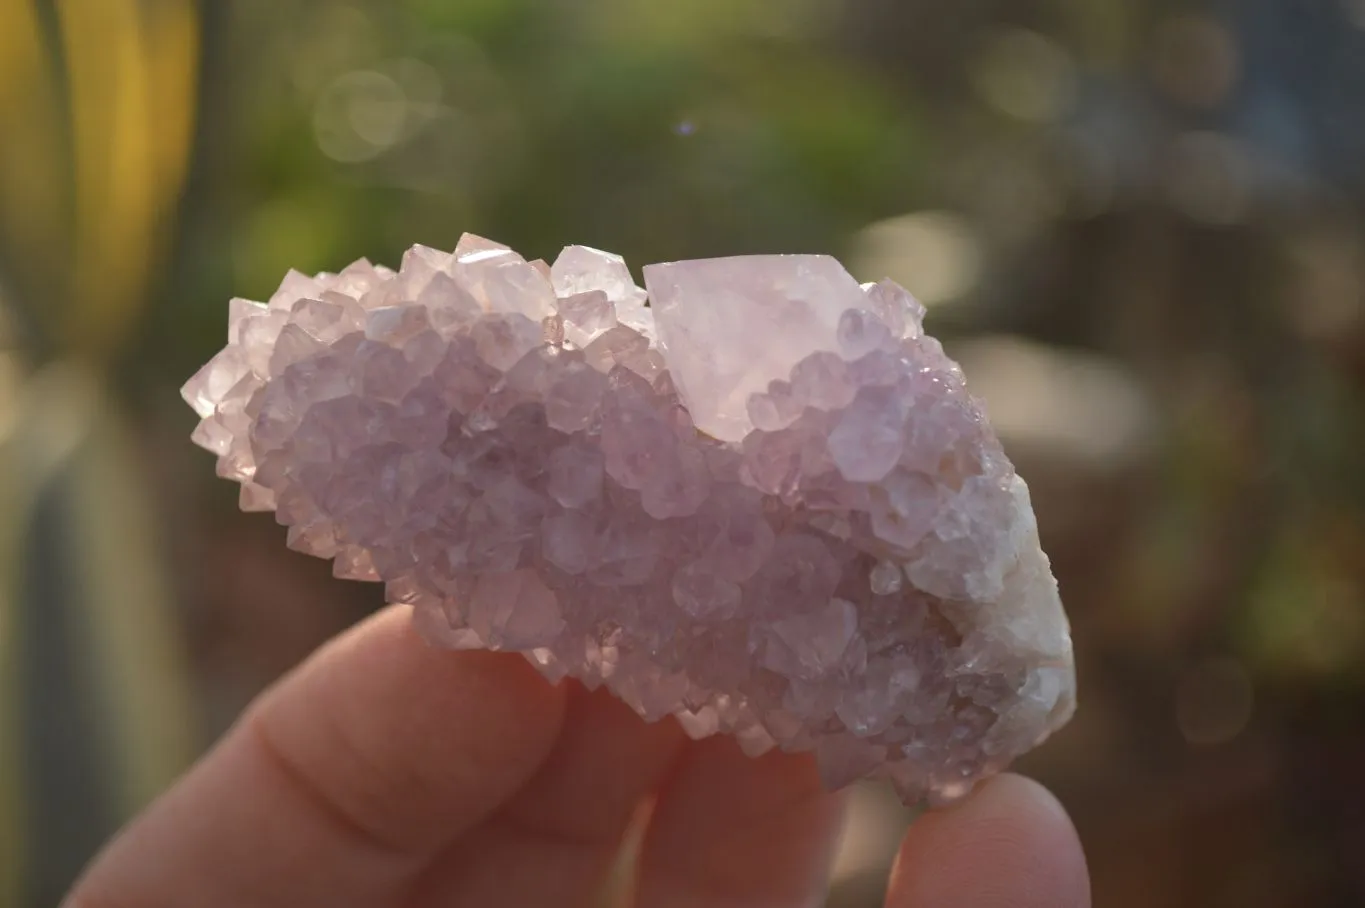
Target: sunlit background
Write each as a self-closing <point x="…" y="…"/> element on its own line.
<point x="1140" y="225"/>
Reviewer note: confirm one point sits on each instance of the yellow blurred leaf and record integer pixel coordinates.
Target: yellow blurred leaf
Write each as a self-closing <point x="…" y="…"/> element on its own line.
<point x="98" y="120"/>
<point x="131" y="71"/>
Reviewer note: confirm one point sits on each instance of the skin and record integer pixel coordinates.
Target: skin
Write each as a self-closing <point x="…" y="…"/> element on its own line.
<point x="383" y="772"/>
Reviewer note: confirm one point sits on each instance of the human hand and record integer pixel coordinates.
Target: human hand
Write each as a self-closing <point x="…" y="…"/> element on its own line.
<point x="383" y="772"/>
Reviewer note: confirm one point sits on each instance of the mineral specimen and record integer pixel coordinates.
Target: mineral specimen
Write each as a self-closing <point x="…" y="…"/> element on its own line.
<point x="763" y="502"/>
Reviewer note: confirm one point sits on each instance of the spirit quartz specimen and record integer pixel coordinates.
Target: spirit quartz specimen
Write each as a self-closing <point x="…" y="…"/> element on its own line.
<point x="764" y="502"/>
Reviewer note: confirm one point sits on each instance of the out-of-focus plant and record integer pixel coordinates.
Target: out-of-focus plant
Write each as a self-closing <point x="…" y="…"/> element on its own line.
<point x="97" y="101"/>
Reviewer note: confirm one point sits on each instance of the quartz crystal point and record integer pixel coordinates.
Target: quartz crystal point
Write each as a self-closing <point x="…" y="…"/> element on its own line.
<point x="764" y="502"/>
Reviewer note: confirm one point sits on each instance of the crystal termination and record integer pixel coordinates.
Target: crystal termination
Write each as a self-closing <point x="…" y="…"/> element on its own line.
<point x="758" y="498"/>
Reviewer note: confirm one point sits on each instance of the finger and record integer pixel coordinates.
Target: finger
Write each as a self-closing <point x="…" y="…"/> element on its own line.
<point x="1009" y="845"/>
<point x="554" y="842"/>
<point x="731" y="830"/>
<point x="340" y="783"/>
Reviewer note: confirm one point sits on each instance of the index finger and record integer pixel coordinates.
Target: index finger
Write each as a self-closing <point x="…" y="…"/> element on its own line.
<point x="342" y="782"/>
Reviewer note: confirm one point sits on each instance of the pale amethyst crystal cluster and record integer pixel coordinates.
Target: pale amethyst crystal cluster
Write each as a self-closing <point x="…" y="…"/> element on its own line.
<point x="763" y="501"/>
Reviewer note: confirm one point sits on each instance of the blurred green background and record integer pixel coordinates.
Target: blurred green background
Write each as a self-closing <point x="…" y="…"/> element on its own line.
<point x="1140" y="225"/>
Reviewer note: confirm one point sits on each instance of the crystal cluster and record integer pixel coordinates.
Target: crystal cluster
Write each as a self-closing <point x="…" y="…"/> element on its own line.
<point x="757" y="498"/>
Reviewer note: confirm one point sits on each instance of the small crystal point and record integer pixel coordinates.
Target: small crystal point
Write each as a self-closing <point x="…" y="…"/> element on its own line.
<point x="295" y="286"/>
<point x="886" y="578"/>
<point x="471" y="244"/>
<point x="239" y="310"/>
<point x="896" y="307"/>
<point x="212" y="383"/>
<point x="256" y="498"/>
<point x="421" y="257"/>
<point x="587" y="316"/>
<point x="728" y="327"/>
<point x="582" y="269"/>
<point x="765" y="504"/>
<point x="354" y="563"/>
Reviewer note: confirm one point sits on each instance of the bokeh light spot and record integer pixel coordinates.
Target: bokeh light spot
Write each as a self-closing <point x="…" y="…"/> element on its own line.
<point x="1025" y="75"/>
<point x="935" y="254"/>
<point x="1214" y="702"/>
<point x="1355" y="12"/>
<point x="1327" y="296"/>
<point x="420" y="82"/>
<point x="360" y="116"/>
<point x="1072" y="408"/>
